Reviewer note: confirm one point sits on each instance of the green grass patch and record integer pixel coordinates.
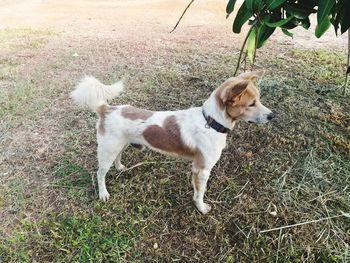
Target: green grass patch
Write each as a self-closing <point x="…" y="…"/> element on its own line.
<point x="79" y="238"/>
<point x="71" y="174"/>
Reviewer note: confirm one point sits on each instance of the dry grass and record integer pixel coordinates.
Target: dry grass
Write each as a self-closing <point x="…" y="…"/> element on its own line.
<point x="294" y="170"/>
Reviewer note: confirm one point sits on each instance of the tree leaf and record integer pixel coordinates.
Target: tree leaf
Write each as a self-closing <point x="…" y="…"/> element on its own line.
<point x="287" y="33"/>
<point x="305" y="23"/>
<point x="230" y="7"/>
<point x="242" y="16"/>
<point x="339" y="13"/>
<point x="258" y="5"/>
<point x="273" y="4"/>
<point x="250" y="46"/>
<point x="291" y="24"/>
<point x="323" y="27"/>
<point x="308" y="4"/>
<point x="324" y="9"/>
<point x="279" y="23"/>
<point x="296" y="11"/>
<point x="249" y="4"/>
<point x="254" y="5"/>
<point x="264" y="33"/>
<point x="345" y="21"/>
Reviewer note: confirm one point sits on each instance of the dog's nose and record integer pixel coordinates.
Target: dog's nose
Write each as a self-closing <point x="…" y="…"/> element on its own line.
<point x="270" y="116"/>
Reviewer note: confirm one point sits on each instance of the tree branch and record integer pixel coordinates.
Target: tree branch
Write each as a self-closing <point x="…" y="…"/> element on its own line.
<point x="183" y="13"/>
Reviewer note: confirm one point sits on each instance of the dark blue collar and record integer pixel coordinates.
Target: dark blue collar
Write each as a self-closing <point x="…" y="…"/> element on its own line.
<point x="214" y="124"/>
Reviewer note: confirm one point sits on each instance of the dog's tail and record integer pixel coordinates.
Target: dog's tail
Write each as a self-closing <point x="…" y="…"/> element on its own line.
<point x="92" y="93"/>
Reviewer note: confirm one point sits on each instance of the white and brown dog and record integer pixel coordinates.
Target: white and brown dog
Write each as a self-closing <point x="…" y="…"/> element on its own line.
<point x="198" y="133"/>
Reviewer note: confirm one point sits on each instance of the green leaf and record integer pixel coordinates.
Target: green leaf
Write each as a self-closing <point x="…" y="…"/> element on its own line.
<point x="287" y="33"/>
<point x="230" y="6"/>
<point x="323" y="27"/>
<point x="264" y="32"/>
<point x="308" y="4"/>
<point x="305" y="23"/>
<point x="296" y="11"/>
<point x="254" y="5"/>
<point x="250" y="46"/>
<point x="279" y="23"/>
<point x="249" y="4"/>
<point x="341" y="16"/>
<point x="345" y="23"/>
<point x="324" y="9"/>
<point x="273" y="4"/>
<point x="339" y="13"/>
<point x="242" y="16"/>
<point x="291" y="24"/>
<point x="258" y="5"/>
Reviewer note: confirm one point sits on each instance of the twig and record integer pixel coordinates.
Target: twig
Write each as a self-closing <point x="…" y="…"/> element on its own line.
<point x="305" y="223"/>
<point x="142" y="163"/>
<point x="245" y="61"/>
<point x="241" y="191"/>
<point x="183" y="13"/>
<point x="244" y="43"/>
<point x="134" y="166"/>
<point x="255" y="48"/>
<point x="278" y="246"/>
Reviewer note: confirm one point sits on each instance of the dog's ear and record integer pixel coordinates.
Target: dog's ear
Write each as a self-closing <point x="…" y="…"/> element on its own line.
<point x="253" y="75"/>
<point x="234" y="91"/>
<point x="230" y="90"/>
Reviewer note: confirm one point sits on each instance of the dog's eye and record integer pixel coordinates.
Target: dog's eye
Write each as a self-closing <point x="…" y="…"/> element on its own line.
<point x="252" y="105"/>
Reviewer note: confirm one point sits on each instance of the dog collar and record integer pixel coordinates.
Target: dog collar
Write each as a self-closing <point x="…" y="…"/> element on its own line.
<point x="211" y="123"/>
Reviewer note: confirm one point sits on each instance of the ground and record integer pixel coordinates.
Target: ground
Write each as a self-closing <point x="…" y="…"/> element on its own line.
<point x="291" y="171"/>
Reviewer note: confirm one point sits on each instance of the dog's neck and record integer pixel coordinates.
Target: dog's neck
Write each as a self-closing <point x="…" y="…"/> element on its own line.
<point x="211" y="109"/>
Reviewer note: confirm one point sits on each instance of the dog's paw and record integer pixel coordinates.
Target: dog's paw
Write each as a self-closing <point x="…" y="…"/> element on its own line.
<point x="104" y="196"/>
<point x="203" y="208"/>
<point x="120" y="167"/>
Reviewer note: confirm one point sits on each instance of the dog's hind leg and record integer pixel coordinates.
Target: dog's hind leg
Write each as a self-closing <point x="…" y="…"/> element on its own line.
<point x="117" y="163"/>
<point x="106" y="153"/>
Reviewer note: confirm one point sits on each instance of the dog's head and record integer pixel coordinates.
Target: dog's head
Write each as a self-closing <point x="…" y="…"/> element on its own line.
<point x="239" y="98"/>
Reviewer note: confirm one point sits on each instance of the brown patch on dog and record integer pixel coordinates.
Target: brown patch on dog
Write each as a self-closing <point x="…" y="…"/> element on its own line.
<point x="168" y="139"/>
<point x="102" y="112"/>
<point x="133" y="113"/>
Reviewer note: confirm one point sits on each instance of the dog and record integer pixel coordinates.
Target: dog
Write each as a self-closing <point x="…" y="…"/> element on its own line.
<point x="198" y="133"/>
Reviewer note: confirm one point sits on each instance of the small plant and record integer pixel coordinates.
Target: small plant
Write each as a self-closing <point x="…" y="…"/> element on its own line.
<point x="265" y="16"/>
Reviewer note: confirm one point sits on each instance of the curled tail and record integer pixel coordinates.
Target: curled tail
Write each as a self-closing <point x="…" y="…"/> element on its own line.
<point x="92" y="93"/>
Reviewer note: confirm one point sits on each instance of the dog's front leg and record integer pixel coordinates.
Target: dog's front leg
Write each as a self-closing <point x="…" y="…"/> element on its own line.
<point x="199" y="181"/>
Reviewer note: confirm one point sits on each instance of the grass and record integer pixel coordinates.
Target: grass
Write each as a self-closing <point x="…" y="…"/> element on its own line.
<point x="23" y="38"/>
<point x="294" y="170"/>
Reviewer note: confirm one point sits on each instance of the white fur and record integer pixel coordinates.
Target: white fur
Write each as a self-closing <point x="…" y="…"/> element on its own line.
<point x="120" y="132"/>
<point x="92" y="93"/>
